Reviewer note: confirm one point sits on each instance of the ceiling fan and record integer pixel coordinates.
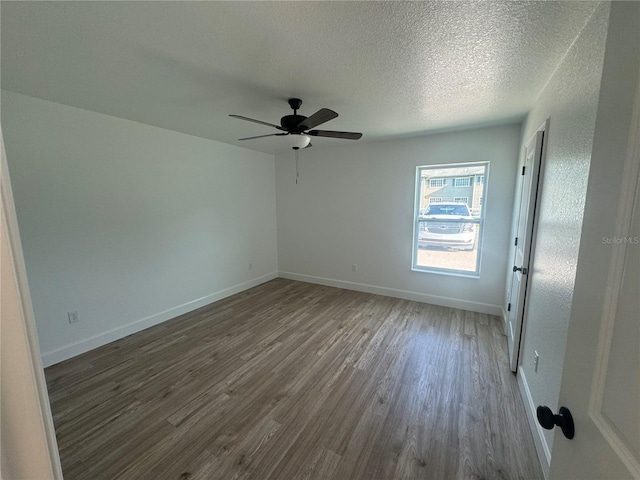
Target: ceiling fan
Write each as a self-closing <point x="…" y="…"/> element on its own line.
<point x="297" y="128"/>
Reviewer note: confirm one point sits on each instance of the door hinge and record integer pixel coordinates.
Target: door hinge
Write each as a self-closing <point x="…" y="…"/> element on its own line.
<point x="523" y="168"/>
<point x="516" y="244"/>
<point x="509" y="308"/>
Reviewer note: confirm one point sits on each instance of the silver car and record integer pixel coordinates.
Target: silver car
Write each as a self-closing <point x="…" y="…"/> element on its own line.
<point x="447" y="225"/>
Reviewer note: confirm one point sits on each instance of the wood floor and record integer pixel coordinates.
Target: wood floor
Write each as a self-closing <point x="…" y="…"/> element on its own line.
<point x="291" y="380"/>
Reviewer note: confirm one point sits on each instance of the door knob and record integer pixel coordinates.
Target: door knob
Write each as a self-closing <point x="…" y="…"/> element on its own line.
<point x="563" y="419"/>
<point x="520" y="269"/>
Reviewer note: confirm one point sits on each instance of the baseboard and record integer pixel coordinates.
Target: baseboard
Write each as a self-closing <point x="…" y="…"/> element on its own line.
<point x="542" y="448"/>
<point x="392" y="292"/>
<point x="69" y="351"/>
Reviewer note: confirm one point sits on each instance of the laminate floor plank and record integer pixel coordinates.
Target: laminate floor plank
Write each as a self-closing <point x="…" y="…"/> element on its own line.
<point x="290" y="380"/>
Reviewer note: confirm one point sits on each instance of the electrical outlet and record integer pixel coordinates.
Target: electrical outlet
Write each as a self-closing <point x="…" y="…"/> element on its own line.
<point x="354" y="268"/>
<point x="74" y="317"/>
<point x="536" y="357"/>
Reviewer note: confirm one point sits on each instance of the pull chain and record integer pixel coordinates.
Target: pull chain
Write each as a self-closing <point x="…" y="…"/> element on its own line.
<point x="297" y="170"/>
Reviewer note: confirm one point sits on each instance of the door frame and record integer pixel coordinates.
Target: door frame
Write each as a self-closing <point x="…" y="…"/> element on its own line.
<point x="531" y="229"/>
<point x="28" y="319"/>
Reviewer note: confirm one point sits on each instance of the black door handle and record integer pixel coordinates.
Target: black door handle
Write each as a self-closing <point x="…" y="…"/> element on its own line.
<point x="520" y="269"/>
<point x="563" y="419"/>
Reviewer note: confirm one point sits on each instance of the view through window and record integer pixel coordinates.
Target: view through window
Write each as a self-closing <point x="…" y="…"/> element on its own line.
<point x="449" y="212"/>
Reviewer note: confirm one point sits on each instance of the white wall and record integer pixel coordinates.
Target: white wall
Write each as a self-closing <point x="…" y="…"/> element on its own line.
<point x="354" y="205"/>
<point x="130" y="224"/>
<point x="570" y="101"/>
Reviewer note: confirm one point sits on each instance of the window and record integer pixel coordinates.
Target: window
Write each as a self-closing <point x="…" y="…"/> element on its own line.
<point x="447" y="235"/>
<point x="437" y="182"/>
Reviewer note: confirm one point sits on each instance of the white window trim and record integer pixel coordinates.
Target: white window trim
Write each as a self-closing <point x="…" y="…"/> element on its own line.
<point x="437" y="182"/>
<point x="435" y="200"/>
<point x="416" y="215"/>
<point x="461" y="200"/>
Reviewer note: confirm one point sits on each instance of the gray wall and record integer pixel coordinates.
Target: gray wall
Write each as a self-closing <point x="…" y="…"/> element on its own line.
<point x="354" y="205"/>
<point x="130" y="224"/>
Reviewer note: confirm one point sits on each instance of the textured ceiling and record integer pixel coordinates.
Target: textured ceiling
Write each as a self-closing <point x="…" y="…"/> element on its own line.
<point x="389" y="69"/>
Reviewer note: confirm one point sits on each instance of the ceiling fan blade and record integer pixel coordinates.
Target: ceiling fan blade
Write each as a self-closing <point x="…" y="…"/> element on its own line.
<point x="321" y="116"/>
<point x="257" y="121"/>
<point x="262" y="136"/>
<point x="330" y="133"/>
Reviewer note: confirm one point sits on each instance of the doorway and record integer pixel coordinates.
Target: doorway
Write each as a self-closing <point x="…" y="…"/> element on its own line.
<point x="527" y="202"/>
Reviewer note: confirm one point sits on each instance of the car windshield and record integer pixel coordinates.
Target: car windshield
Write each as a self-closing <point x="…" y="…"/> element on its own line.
<point x="448" y="210"/>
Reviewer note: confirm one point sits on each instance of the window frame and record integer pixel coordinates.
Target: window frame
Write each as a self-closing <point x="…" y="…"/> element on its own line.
<point x="432" y="180"/>
<point x="465" y="201"/>
<point x="465" y="184"/>
<point x="480" y="221"/>
<point x="437" y="200"/>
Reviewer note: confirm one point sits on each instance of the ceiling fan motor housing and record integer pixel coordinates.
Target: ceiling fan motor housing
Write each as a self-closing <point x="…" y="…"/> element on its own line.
<point x="290" y="123"/>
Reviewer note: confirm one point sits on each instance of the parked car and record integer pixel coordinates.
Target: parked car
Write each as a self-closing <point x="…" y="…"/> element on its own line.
<point x="447" y="225"/>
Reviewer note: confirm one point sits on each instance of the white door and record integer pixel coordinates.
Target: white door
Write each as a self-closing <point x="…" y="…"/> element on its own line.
<point x="529" y="187"/>
<point x="601" y="376"/>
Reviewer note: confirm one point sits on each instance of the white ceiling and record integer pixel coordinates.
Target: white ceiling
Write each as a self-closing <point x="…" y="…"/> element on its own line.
<point x="390" y="69"/>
